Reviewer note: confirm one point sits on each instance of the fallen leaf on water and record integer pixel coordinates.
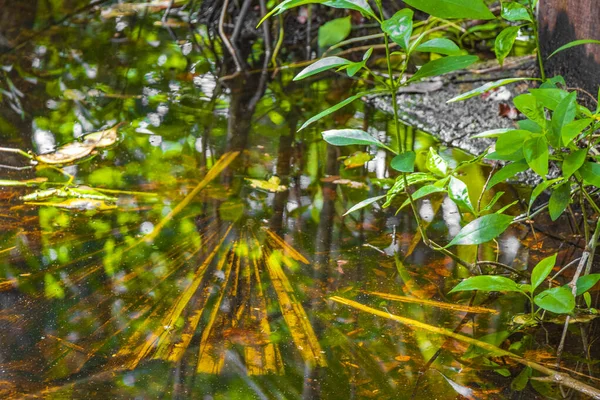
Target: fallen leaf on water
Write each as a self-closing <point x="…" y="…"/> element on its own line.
<point x="272" y="185"/>
<point x="76" y="204"/>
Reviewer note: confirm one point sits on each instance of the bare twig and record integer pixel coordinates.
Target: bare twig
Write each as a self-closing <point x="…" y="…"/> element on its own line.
<point x="234" y="54"/>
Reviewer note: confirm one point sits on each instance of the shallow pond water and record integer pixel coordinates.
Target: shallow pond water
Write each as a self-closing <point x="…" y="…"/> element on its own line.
<point x="215" y="257"/>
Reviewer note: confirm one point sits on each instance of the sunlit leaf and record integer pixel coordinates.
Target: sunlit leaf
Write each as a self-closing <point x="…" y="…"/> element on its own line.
<point x="323" y="64"/>
<point x="492" y="133"/>
<point x="573" y="44"/>
<point x="492" y="202"/>
<point x="514" y="11"/>
<point x="482" y="230"/>
<point x="442" y="66"/>
<point x="404" y="162"/>
<point x="399" y="27"/>
<point x="529" y="106"/>
<point x="586" y="282"/>
<point x="549" y="98"/>
<point x="436" y="164"/>
<point x="590" y="171"/>
<point x="571" y="130"/>
<point x="76" y="204"/>
<point x="563" y="115"/>
<point x="488" y="86"/>
<point x="472" y="9"/>
<point x="459" y="194"/>
<point x="358" y="5"/>
<point x="542" y="270"/>
<point x="349" y="137"/>
<point x="357" y="159"/>
<point x="411" y="179"/>
<point x="558" y="300"/>
<point x="437" y="304"/>
<point x="573" y="162"/>
<point x="504" y="42"/>
<point x="559" y="200"/>
<point x="439" y="45"/>
<point x="511" y="143"/>
<point x="536" y="154"/>
<point x="364" y="204"/>
<point x="508" y="171"/>
<point x="334" y="31"/>
<point x="487" y="283"/>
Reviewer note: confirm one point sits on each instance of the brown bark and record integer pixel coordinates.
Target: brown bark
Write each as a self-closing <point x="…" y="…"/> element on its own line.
<point x="562" y="21"/>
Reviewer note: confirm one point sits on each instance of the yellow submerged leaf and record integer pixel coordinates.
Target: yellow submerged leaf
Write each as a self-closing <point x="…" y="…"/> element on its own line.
<point x="272" y="185"/>
<point x="76" y="204"/>
<point x="432" y="303"/>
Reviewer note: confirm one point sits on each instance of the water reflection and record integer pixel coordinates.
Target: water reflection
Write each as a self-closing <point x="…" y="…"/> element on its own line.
<point x="228" y="296"/>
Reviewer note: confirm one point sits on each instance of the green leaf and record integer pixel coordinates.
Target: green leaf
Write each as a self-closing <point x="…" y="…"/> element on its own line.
<point x="488" y="86"/>
<point x="505" y="41"/>
<point x="349" y="137"/>
<point x="559" y="200"/>
<point x="323" y="64"/>
<point x="482" y="230"/>
<point x="573" y="44"/>
<point x="590" y="172"/>
<point x="542" y="270"/>
<point x="564" y="114"/>
<point x="487" y="283"/>
<point x="558" y="300"/>
<point x="334" y="31"/>
<point x="529" y="125"/>
<point x="459" y="194"/>
<point x="492" y="202"/>
<point x="404" y="162"/>
<point x="520" y="381"/>
<point x="573" y="162"/>
<point x="353" y="68"/>
<point x="358" y="5"/>
<point x="399" y="27"/>
<point x="412" y="179"/>
<point x="550" y="98"/>
<point x="531" y="108"/>
<point x="443" y="66"/>
<point x="510" y="145"/>
<point x="331" y="110"/>
<point x="472" y="9"/>
<point x="492" y="133"/>
<point x="508" y="171"/>
<point x="423" y="192"/>
<point x="586" y="282"/>
<point x="571" y="130"/>
<point x="363" y="204"/>
<point x="436" y="164"/>
<point x="536" y="154"/>
<point x="515" y="12"/>
<point x="587" y="297"/>
<point x="539" y="189"/>
<point x="440" y="46"/>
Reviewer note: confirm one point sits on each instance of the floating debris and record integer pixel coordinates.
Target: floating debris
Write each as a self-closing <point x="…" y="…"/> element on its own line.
<point x="273" y="185"/>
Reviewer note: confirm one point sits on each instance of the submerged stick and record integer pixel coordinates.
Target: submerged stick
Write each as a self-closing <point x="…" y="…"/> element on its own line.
<point x="555" y="376"/>
<point x="223" y="162"/>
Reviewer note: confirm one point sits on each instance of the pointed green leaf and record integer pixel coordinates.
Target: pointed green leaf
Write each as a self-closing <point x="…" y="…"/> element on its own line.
<point x="542" y="270"/>
<point x="539" y="189"/>
<point x="358" y="5"/>
<point x="586" y="282"/>
<point x="487" y="283"/>
<point x="573" y="162"/>
<point x="531" y="108"/>
<point x="482" y="230"/>
<point x="399" y="27"/>
<point x="323" y="64"/>
<point x="472" y="9"/>
<point x="520" y="381"/>
<point x="492" y="202"/>
<point x="558" y="300"/>
<point x="459" y="194"/>
<point x="571" y="130"/>
<point x="334" y="31"/>
<point x="423" y="192"/>
<point x="443" y="66"/>
<point x="536" y="154"/>
<point x="349" y="137"/>
<point x="404" y="162"/>
<point x="515" y="12"/>
<point x="563" y="115"/>
<point x="512" y="142"/>
<point x="559" y="200"/>
<point x="488" y="86"/>
<point x="549" y="98"/>
<point x="573" y="44"/>
<point x="331" y="110"/>
<point x="590" y="172"/>
<point x="504" y="42"/>
<point x="440" y="46"/>
<point x="364" y="203"/>
<point x="436" y="164"/>
<point x="508" y="171"/>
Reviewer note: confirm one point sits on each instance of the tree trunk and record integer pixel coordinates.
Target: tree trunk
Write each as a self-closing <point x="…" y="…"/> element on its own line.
<point x="562" y="21"/>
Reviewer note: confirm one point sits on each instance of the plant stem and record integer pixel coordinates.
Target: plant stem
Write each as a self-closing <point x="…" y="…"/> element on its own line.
<point x="536" y="35"/>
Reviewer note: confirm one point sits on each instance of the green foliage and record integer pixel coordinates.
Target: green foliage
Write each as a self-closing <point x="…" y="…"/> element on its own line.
<point x="573" y="44"/>
<point x="474" y="9"/>
<point x="404" y="162"/>
<point x="482" y="230"/>
<point x="399" y="27"/>
<point x="334" y="32"/>
<point x="324" y="64"/>
<point x="505" y="42"/>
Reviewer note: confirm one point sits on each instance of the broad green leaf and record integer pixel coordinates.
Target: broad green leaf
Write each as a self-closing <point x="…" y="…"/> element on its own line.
<point x="488" y="86"/>
<point x="363" y="204"/>
<point x="439" y="45"/>
<point x="357" y="159"/>
<point x="573" y="44"/>
<point x="559" y="200"/>
<point x="520" y="381"/>
<point x="349" y="137"/>
<point x="323" y="64"/>
<point x="551" y="83"/>
<point x="512" y="142"/>
<point x="423" y="192"/>
<point x="331" y="109"/>
<point x="571" y="130"/>
<point x="443" y="66"/>
<point x="531" y="108"/>
<point x="482" y="230"/>
<point x="515" y="12"/>
<point x="550" y="98"/>
<point x="536" y="154"/>
<point x="558" y="300"/>
<point x="542" y="270"/>
<point x="590" y="172"/>
<point x="487" y="283"/>
<point x="529" y="125"/>
<point x="399" y="27"/>
<point x="412" y="179"/>
<point x="504" y="42"/>
<point x="459" y="194"/>
<point x="436" y="164"/>
<point x="539" y="189"/>
<point x="586" y="282"/>
<point x="492" y="202"/>
<point x="573" y="162"/>
<point x="334" y="31"/>
<point x="508" y="171"/>
<point x="358" y="5"/>
<point x="404" y="162"/>
<point x="472" y="9"/>
<point x="563" y="115"/>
